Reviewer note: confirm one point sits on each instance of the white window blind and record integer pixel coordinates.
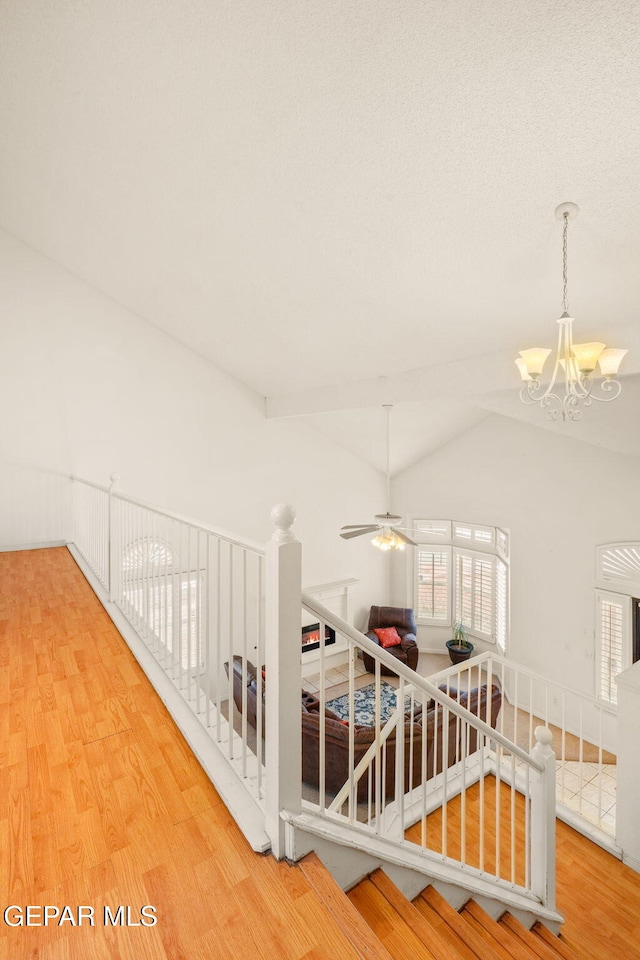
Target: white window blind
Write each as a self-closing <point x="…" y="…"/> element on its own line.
<point x="619" y="561"/>
<point x="433" y="586"/>
<point x="474" y="534"/>
<point x="502" y="604"/>
<point x="432" y="530"/>
<point x="474" y="592"/>
<point x="613" y="641"/>
<point x="467" y="581"/>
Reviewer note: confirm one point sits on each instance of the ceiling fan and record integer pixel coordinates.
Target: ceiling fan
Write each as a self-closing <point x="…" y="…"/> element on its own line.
<point x="389" y="535"/>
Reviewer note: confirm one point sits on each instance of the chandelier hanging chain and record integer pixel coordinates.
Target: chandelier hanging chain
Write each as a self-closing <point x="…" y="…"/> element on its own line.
<point x="565" y="231"/>
<point x="574" y="363"/>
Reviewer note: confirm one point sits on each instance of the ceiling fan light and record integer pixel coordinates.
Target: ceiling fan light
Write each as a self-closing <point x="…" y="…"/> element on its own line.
<point x="610" y="360"/>
<point x="587" y="355"/>
<point x="534" y="360"/>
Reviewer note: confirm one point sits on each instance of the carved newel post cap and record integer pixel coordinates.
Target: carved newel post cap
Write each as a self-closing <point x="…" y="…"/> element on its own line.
<point x="282" y="517"/>
<point x="544" y="736"/>
<point x="114" y="478"/>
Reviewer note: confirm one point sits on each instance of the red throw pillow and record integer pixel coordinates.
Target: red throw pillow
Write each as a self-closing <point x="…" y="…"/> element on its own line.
<point x="388" y="637"/>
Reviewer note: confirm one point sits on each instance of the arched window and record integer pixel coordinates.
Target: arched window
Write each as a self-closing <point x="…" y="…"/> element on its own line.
<point x="163" y="601"/>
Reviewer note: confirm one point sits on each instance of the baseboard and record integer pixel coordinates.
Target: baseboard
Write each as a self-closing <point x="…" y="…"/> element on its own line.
<point x="45" y="545"/>
<point x="633" y="862"/>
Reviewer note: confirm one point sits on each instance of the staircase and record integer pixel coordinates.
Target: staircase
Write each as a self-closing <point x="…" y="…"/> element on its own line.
<point x="598" y="895"/>
<point x="431" y="929"/>
<point x="382" y="924"/>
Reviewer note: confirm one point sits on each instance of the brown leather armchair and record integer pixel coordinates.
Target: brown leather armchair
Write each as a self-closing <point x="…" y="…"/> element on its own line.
<point x="403" y="620"/>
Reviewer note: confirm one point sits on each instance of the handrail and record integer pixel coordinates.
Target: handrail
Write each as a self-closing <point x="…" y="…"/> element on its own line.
<point x="247" y="544"/>
<point x="512" y="665"/>
<point x="421" y="683"/>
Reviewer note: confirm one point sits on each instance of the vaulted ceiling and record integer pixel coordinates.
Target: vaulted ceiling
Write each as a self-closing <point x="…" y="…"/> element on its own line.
<point x="339" y="202"/>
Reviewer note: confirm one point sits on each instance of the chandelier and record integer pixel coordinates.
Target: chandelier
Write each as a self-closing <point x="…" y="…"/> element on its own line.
<point x="574" y="362"/>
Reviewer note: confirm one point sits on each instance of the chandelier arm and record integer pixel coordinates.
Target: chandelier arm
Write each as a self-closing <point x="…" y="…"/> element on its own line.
<point x="612" y="387"/>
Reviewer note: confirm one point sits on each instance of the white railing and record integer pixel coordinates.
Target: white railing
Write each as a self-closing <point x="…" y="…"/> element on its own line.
<point x="90" y="506"/>
<point x="582" y="726"/>
<point x="216" y="613"/>
<point x="195" y="597"/>
<point x="438" y="776"/>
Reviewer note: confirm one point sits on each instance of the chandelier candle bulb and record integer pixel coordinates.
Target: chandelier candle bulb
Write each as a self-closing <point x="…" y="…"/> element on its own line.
<point x="570" y="387"/>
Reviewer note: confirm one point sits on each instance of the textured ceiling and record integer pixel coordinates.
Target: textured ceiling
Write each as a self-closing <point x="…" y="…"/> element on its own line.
<point x="316" y="193"/>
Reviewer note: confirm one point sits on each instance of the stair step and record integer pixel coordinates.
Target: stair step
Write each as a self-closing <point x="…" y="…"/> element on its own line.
<point x="353" y="925"/>
<point x="560" y="944"/>
<point x="425" y="931"/>
<point x="387" y="924"/>
<point x="539" y="949"/>
<point x="487" y="929"/>
<point x="454" y="927"/>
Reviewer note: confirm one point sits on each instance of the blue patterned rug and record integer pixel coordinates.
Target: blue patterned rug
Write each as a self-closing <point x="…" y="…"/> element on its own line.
<point x="365" y="704"/>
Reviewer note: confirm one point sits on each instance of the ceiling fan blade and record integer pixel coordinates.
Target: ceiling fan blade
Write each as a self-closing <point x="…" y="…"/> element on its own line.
<point x="405" y="538"/>
<point x="354" y="526"/>
<point x="360" y="532"/>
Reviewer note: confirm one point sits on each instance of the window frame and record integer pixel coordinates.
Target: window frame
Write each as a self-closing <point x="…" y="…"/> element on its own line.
<point x="483" y="544"/>
<point x="623" y="601"/>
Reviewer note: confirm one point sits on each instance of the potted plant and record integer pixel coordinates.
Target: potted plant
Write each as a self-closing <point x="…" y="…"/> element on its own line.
<point x="459" y="647"/>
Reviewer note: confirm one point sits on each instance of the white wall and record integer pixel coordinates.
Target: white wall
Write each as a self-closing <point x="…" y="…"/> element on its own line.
<point x="89" y="388"/>
<point x="559" y="498"/>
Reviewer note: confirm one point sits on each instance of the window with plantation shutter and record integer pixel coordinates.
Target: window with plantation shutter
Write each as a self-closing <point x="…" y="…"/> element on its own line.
<point x="613" y="642"/>
<point x="433" y="592"/>
<point x="455" y="584"/>
<point x="475" y="593"/>
<point x="502" y="604"/>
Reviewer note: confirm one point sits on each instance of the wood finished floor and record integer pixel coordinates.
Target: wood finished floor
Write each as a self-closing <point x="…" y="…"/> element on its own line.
<point x="102" y="802"/>
<point x="598" y="895"/>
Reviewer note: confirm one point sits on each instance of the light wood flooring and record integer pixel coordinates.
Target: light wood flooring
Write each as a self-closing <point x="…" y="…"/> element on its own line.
<point x="103" y="804"/>
<point x="598" y="896"/>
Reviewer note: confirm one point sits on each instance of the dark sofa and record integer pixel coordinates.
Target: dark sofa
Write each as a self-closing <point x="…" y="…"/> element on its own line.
<point x="337" y="735"/>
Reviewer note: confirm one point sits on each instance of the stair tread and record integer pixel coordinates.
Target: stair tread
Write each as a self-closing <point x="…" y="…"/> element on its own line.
<point x="560" y="944"/>
<point x="486" y="928"/>
<point x="425" y="931"/>
<point x="474" y="947"/>
<point x="387" y="924"/>
<point x="538" y="947"/>
<point x="350" y="921"/>
<point x="441" y="925"/>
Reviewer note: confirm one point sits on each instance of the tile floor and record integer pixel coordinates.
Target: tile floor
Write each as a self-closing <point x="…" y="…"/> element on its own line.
<point x="598" y="801"/>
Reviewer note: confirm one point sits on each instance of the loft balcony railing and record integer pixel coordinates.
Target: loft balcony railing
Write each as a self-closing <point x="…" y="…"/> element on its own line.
<point x="198" y="600"/>
<point x="193" y="597"/>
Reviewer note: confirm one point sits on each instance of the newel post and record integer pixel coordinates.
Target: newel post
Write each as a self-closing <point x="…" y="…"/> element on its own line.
<point x="543" y="820"/>
<point x="113" y="546"/>
<point x="283" y="682"/>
